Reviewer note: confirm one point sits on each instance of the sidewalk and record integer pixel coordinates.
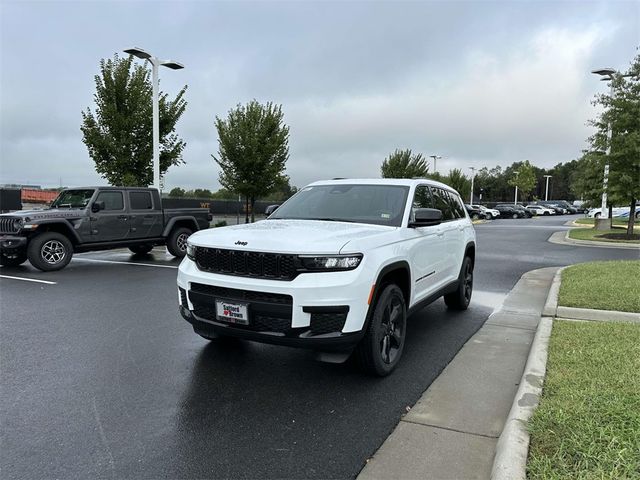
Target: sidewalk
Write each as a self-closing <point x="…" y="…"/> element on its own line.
<point x="452" y="432"/>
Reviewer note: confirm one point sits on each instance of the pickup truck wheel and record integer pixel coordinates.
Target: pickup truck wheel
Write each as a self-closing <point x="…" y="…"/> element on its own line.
<point x="381" y="348"/>
<point x="459" y="300"/>
<point x="13" y="259"/>
<point x="141" y="249"/>
<point x="177" y="242"/>
<point x="50" y="251"/>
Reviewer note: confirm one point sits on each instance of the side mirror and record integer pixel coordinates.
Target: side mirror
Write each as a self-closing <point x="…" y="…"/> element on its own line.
<point x="425" y="217"/>
<point x="97" y="206"/>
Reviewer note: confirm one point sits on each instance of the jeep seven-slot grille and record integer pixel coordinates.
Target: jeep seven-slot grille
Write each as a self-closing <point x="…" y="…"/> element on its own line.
<point x="273" y="266"/>
<point x="7" y="225"/>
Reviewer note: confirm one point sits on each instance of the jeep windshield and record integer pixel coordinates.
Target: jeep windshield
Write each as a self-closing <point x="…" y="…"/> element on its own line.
<point x="373" y="204"/>
<point x="73" y="199"/>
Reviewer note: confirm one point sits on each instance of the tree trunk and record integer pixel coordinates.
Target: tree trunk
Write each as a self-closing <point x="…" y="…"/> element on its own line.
<point x="253" y="216"/>
<point x="246" y="209"/>
<point x="632" y="217"/>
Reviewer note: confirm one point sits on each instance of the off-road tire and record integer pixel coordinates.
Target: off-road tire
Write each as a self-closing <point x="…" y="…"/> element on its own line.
<point x="50" y="251"/>
<point x="379" y="352"/>
<point x="177" y="241"/>
<point x="459" y="300"/>
<point x="141" y="249"/>
<point x="13" y="260"/>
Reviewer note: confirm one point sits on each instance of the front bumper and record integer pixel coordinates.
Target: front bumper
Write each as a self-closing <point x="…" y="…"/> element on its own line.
<point x="10" y="243"/>
<point x="324" y="311"/>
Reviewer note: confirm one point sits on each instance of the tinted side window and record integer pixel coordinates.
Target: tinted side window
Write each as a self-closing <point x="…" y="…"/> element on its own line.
<point x="441" y="202"/>
<point x="421" y="199"/>
<point x="140" y="201"/>
<point x="112" y="200"/>
<point x="456" y="205"/>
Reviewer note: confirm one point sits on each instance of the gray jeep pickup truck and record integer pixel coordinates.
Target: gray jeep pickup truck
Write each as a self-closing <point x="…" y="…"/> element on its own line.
<point x="96" y="218"/>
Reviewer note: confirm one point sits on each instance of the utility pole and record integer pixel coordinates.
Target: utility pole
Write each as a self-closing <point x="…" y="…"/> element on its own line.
<point x="546" y="190"/>
<point x="473" y="176"/>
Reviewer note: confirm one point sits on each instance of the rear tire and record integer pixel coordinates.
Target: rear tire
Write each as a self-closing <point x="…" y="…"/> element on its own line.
<point x="379" y="352"/>
<point x="460" y="299"/>
<point x="50" y="251"/>
<point x="177" y="241"/>
<point x="515" y="215"/>
<point x="141" y="249"/>
<point x="13" y="260"/>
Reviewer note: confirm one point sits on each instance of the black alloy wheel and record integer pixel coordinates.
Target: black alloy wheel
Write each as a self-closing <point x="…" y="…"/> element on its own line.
<point x="460" y="299"/>
<point x="381" y="348"/>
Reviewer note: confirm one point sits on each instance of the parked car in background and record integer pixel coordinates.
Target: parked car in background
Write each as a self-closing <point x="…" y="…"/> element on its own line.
<point x="489" y="213"/>
<point x="474" y="212"/>
<point x="540" y="210"/>
<point x="615" y="212"/>
<point x="562" y="203"/>
<point x="96" y="218"/>
<point x="509" y="211"/>
<point x="521" y="208"/>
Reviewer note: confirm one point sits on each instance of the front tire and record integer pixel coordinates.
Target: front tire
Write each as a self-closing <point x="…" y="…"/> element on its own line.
<point x="381" y="348"/>
<point x="489" y="216"/>
<point x="50" y="251"/>
<point x="177" y="242"/>
<point x="515" y="215"/>
<point x="460" y="299"/>
<point x="13" y="260"/>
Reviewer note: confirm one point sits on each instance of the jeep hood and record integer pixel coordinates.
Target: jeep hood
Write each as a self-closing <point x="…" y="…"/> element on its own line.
<point x="32" y="215"/>
<point x="288" y="236"/>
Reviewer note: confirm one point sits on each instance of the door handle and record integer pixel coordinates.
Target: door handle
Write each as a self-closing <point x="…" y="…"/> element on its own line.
<point x="122" y="217"/>
<point x="440" y="233"/>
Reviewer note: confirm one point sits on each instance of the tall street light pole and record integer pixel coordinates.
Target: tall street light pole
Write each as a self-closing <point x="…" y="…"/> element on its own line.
<point x="435" y="157"/>
<point x="155" y="63"/>
<point x="473" y="176"/>
<point x="515" y="199"/>
<point x="607" y="76"/>
<point x="546" y="190"/>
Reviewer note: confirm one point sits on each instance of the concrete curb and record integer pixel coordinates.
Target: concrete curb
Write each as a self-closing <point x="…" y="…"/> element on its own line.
<point x="551" y="305"/>
<point x="510" y="462"/>
<point x="572" y="313"/>
<point x="594" y="243"/>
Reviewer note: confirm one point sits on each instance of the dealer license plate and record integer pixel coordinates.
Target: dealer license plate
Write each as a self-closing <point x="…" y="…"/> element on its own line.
<point x="232" y="312"/>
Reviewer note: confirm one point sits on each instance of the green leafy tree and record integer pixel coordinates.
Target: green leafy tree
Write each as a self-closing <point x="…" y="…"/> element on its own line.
<point x="176" y="192"/>
<point x="253" y="149"/>
<point x="118" y="134"/>
<point x="456" y="179"/>
<point x="523" y="176"/>
<point x="622" y="113"/>
<point x="201" y="193"/>
<point x="404" y="164"/>
<point x="224" y="194"/>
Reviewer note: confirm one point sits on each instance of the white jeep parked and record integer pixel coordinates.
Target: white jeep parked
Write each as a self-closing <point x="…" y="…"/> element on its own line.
<point x="337" y="269"/>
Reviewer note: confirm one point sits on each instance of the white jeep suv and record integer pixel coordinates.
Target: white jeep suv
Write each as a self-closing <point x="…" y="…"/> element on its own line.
<point x="337" y="269"/>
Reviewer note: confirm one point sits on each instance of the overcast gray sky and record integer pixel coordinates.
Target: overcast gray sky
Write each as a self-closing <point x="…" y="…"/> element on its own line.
<point x="480" y="83"/>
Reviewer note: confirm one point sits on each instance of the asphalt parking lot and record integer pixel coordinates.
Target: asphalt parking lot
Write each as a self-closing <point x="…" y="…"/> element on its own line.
<point x="102" y="378"/>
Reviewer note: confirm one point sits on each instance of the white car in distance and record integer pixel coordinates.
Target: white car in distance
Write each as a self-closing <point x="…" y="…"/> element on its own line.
<point x="540" y="210"/>
<point x="489" y="213"/>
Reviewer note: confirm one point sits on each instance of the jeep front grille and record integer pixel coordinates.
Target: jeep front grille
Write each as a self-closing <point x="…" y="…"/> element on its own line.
<point x="273" y="266"/>
<point x="7" y="225"/>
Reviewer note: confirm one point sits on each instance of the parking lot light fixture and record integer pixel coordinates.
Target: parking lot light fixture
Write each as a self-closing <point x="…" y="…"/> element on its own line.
<point x="607" y="76"/>
<point x="515" y="200"/>
<point x="435" y="157"/>
<point x="546" y="190"/>
<point x="155" y="63"/>
<point x="473" y="176"/>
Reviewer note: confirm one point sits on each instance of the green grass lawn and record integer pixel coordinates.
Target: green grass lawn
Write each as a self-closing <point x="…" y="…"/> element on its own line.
<point x="591" y="221"/>
<point x="611" y="285"/>
<point x="591" y="234"/>
<point x="587" y="425"/>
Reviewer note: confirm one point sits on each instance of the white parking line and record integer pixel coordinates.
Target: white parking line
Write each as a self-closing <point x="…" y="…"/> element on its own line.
<point x="122" y="263"/>
<point x="28" y="279"/>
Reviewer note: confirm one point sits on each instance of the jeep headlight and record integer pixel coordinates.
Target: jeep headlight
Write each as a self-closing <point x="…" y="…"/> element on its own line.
<point x="191" y="251"/>
<point x="18" y="224"/>
<point x="330" y="262"/>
